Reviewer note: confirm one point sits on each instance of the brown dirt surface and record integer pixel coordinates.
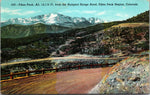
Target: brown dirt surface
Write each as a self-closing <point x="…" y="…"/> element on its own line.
<point x="131" y="25"/>
<point x="66" y="82"/>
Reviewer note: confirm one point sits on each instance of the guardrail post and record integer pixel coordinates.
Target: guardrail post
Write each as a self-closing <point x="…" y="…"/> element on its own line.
<point x="68" y="68"/>
<point x="56" y="69"/>
<point x="11" y="75"/>
<point x="100" y="65"/>
<point x="79" y="66"/>
<point x="43" y="71"/>
<point x="27" y="73"/>
<point x="91" y="65"/>
<point x="106" y="64"/>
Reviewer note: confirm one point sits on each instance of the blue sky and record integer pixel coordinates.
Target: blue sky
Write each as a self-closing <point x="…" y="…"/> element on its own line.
<point x="108" y="13"/>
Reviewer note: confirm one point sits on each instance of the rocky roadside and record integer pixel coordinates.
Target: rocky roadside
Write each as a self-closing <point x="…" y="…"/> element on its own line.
<point x="128" y="76"/>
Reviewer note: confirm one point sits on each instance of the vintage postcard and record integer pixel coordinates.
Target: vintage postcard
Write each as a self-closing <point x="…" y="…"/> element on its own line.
<point x="75" y="47"/>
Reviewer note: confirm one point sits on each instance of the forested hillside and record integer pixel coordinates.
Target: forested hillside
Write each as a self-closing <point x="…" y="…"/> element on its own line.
<point x="95" y="40"/>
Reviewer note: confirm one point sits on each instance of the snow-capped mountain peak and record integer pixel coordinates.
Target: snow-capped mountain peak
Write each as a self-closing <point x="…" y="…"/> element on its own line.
<point x="54" y="19"/>
<point x="95" y="20"/>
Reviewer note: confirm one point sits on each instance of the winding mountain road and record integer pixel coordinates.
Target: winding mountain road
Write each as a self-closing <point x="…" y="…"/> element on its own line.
<point x="56" y="58"/>
<point x="65" y="82"/>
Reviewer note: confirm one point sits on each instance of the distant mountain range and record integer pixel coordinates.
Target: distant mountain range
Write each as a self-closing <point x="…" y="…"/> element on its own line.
<point x="51" y="23"/>
<point x="54" y="19"/>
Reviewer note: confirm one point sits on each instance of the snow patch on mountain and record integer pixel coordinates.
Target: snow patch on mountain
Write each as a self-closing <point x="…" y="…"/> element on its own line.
<point x="54" y="19"/>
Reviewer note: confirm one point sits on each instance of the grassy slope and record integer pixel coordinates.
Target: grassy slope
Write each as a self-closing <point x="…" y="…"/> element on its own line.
<point x="106" y="41"/>
<point x="18" y="31"/>
<point x="132" y="25"/>
<point x="143" y="17"/>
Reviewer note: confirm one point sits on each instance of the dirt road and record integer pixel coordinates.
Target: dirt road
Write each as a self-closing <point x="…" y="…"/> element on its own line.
<point x="66" y="82"/>
<point x="56" y="58"/>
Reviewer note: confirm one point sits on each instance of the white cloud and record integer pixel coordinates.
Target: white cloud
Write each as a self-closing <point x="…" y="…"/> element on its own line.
<point x="78" y="11"/>
<point x="126" y="15"/>
<point x="70" y="11"/>
<point x="3" y="19"/>
<point x="101" y="13"/>
<point x="123" y="7"/>
<point x="89" y="12"/>
<point x="118" y="14"/>
<point x="122" y="15"/>
<point x="17" y="11"/>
